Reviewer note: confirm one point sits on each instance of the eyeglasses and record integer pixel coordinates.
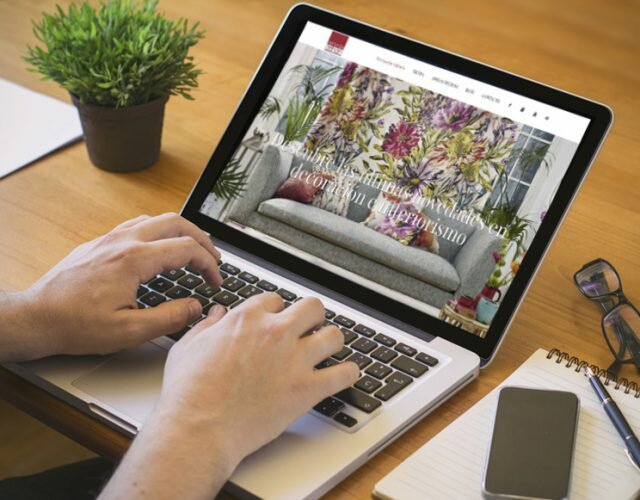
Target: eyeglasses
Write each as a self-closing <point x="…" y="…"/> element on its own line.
<point x="598" y="280"/>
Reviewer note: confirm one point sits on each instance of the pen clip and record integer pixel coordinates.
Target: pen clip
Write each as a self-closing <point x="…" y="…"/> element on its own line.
<point x="633" y="462"/>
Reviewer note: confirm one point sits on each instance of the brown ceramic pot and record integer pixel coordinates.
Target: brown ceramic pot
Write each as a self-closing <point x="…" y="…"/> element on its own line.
<point x="122" y="139"/>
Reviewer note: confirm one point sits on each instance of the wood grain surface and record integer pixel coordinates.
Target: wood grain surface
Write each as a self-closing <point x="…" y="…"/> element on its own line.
<point x="588" y="47"/>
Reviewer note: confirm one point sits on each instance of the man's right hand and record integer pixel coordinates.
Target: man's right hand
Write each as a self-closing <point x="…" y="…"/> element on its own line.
<point x="232" y="384"/>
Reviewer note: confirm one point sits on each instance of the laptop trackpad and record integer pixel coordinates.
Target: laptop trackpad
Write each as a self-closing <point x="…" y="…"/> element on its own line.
<point x="129" y="382"/>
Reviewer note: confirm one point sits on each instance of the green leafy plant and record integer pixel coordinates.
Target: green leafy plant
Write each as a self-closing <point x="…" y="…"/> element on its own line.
<point x="121" y="53"/>
<point x="310" y="77"/>
<point x="231" y="183"/>
<point x="301" y="114"/>
<point x="270" y="106"/>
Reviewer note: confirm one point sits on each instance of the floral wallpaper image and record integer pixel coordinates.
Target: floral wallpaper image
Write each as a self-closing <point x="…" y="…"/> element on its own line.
<point x="333" y="132"/>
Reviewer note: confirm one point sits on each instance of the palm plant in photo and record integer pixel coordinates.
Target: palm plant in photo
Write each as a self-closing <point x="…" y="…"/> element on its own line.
<point x="271" y="106"/>
<point x="304" y="107"/>
<point x="301" y="114"/>
<point x="310" y="77"/>
<point x="231" y="183"/>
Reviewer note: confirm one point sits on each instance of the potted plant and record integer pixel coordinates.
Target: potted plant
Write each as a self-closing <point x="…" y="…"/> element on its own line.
<point x="120" y="61"/>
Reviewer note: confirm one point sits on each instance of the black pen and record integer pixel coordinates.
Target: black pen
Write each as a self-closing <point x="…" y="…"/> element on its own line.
<point x="617" y="418"/>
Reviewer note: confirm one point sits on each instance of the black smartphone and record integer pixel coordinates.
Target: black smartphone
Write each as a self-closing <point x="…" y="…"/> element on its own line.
<point x="532" y="445"/>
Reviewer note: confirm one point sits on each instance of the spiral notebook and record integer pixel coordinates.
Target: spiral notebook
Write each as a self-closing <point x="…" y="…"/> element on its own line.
<point x="451" y="465"/>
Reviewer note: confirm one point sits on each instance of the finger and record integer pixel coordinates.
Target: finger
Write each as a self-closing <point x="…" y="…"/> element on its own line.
<point x="169" y="317"/>
<point x="335" y="378"/>
<point x="304" y="315"/>
<point x="322" y="344"/>
<point x="171" y="225"/>
<point x="172" y="253"/>
<point x="269" y="301"/>
<point x="216" y="313"/>
<point x="132" y="222"/>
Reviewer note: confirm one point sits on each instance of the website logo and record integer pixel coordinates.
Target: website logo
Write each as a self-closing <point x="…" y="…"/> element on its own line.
<point x="336" y="43"/>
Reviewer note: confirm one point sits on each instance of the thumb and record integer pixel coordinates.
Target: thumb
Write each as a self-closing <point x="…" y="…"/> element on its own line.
<point x="164" y="319"/>
<point x="216" y="313"/>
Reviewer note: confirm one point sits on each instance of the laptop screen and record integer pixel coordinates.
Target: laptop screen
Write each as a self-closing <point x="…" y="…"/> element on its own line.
<point x="416" y="182"/>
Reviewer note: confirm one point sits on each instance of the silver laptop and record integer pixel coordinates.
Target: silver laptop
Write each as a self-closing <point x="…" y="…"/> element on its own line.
<point x="412" y="190"/>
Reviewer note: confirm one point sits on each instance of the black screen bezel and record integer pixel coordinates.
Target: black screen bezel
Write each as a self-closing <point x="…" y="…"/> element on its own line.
<point x="259" y="89"/>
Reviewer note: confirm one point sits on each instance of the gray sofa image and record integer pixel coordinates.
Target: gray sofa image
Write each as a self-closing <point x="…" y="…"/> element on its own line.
<point x="345" y="242"/>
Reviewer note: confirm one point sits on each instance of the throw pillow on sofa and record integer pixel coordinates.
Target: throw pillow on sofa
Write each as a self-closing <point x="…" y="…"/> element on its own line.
<point x="302" y="187"/>
<point x="336" y="195"/>
<point x="403" y="221"/>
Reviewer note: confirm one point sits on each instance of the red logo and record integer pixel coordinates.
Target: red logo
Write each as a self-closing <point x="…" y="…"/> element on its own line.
<point x="336" y="43"/>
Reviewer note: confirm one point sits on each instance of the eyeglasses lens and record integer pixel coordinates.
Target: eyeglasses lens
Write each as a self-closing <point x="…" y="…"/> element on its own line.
<point x="621" y="323"/>
<point x="597" y="280"/>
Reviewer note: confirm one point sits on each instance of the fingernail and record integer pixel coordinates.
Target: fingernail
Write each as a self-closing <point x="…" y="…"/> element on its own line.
<point x="195" y="308"/>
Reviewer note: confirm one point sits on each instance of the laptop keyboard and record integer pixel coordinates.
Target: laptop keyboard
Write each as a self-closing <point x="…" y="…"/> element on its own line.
<point x="387" y="366"/>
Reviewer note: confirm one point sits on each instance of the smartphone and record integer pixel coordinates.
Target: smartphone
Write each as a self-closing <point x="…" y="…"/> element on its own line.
<point x="531" y="449"/>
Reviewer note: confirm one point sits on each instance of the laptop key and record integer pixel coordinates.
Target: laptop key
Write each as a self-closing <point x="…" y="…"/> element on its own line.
<point x="384" y="354"/>
<point x="405" y="349"/>
<point x="228" y="268"/>
<point x="409" y="366"/>
<point x="141" y="291"/>
<point x="364" y="345"/>
<point x="399" y="378"/>
<point x="388" y="391"/>
<point x="328" y="313"/>
<point x="329" y="406"/>
<point x="359" y="359"/>
<point x="395" y="383"/>
<point x="190" y="281"/>
<point x="359" y="399"/>
<point x="326" y="363"/>
<point x="236" y="304"/>
<point x="384" y="340"/>
<point x="266" y="286"/>
<point x="248" y="277"/>
<point x="286" y="295"/>
<point x="378" y="370"/>
<point x="225" y="298"/>
<point x="344" y="321"/>
<point x="173" y="274"/>
<point x="203" y="301"/>
<point x="233" y="284"/>
<point x="346" y="420"/>
<point x="349" y="336"/>
<point x="342" y="353"/>
<point x="178" y="292"/>
<point x="426" y="359"/>
<point x="192" y="270"/>
<point x="364" y="330"/>
<point x="152" y="299"/>
<point x="249" y="291"/>
<point x="160" y="285"/>
<point x="207" y="290"/>
<point x="368" y="384"/>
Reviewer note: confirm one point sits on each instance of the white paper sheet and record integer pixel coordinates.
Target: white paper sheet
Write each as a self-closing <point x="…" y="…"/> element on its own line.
<point x="451" y="465"/>
<point x="32" y="125"/>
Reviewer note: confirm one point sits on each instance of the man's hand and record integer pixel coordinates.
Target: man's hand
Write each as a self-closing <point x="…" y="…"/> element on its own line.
<point x="232" y="384"/>
<point x="86" y="304"/>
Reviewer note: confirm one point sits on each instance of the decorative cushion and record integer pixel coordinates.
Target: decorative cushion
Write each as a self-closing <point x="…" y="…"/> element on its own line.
<point x="395" y="218"/>
<point x="336" y="195"/>
<point x="301" y="188"/>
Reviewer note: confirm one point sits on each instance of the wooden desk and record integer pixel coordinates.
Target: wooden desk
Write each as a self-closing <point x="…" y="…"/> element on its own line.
<point x="586" y="46"/>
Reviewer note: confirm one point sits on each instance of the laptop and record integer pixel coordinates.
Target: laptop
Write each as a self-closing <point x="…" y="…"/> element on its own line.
<point x="414" y="191"/>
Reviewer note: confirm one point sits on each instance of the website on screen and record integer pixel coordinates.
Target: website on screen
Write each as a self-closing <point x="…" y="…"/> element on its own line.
<point x="419" y="183"/>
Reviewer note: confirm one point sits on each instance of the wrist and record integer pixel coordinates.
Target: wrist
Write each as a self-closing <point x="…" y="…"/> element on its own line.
<point x="207" y="439"/>
<point x="25" y="327"/>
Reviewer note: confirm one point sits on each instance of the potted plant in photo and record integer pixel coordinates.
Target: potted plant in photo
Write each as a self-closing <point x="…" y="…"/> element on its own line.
<point x="120" y="61"/>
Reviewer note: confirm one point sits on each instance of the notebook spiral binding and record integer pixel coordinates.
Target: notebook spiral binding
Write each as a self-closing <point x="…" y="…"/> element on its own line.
<point x="608" y="378"/>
